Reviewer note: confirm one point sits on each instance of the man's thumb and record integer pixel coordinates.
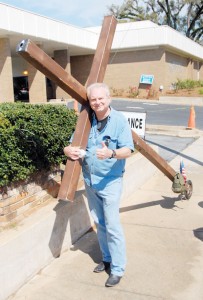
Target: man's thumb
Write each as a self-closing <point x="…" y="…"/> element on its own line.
<point x="103" y="144"/>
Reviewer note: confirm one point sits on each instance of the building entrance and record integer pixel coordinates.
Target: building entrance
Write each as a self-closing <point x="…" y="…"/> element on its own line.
<point x="21" y="90"/>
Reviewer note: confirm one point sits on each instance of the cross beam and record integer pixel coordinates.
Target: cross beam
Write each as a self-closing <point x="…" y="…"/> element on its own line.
<point x="73" y="168"/>
<point x="40" y="60"/>
<point x="153" y="156"/>
<point x="44" y="63"/>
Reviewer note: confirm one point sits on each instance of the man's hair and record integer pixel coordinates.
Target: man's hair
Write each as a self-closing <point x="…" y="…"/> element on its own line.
<point x="98" y="85"/>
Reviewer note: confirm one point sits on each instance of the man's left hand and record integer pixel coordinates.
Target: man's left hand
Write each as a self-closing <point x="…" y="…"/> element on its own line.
<point x="103" y="152"/>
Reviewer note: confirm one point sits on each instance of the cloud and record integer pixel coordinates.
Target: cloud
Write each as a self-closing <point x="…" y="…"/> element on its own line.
<point x="78" y="12"/>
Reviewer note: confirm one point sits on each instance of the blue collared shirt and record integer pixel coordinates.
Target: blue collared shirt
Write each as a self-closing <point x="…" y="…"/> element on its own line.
<point x="98" y="173"/>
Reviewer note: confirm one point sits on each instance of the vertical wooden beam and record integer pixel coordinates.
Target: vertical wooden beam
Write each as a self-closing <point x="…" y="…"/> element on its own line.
<point x="73" y="168"/>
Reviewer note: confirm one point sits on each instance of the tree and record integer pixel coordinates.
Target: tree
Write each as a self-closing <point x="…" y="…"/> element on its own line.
<point x="185" y="16"/>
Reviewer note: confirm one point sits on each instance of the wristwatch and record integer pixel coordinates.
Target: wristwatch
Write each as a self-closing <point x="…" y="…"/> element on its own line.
<point x="113" y="154"/>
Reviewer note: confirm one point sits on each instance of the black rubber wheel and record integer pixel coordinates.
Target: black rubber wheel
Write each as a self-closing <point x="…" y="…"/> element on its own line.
<point x="188" y="189"/>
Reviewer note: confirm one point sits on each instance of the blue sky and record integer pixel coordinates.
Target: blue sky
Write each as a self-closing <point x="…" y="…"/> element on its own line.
<point x="81" y="13"/>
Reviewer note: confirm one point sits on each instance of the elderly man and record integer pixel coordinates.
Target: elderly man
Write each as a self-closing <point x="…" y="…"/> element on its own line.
<point x="109" y="144"/>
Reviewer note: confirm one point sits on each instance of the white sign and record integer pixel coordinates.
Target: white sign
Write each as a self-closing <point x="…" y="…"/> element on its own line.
<point x="137" y="121"/>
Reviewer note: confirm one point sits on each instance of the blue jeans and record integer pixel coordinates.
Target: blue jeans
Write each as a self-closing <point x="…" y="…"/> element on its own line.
<point x="104" y="207"/>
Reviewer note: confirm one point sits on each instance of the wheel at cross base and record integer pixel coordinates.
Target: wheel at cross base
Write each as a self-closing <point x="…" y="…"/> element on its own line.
<point x="188" y="189"/>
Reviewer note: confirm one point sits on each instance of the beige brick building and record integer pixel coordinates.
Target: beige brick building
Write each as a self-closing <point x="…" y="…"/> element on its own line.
<point x="141" y="48"/>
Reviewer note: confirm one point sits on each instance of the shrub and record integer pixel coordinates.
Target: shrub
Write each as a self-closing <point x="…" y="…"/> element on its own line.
<point x="201" y="91"/>
<point x="32" y="138"/>
<point x="187" y="84"/>
<point x="200" y="83"/>
<point x="116" y="92"/>
<point x="133" y="91"/>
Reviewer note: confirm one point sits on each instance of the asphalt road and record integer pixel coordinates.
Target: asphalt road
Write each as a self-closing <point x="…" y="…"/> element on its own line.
<point x="162" y="114"/>
<point x="159" y="113"/>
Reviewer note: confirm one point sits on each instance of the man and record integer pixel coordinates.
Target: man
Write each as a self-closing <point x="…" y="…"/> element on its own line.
<point x="109" y="144"/>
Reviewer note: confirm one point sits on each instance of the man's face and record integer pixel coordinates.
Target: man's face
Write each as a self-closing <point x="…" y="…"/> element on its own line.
<point x="99" y="101"/>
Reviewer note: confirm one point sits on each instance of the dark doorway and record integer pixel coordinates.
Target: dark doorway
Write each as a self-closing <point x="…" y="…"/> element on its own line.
<point x="21" y="90"/>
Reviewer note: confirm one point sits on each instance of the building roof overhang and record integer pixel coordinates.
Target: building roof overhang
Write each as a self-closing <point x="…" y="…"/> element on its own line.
<point x="17" y="24"/>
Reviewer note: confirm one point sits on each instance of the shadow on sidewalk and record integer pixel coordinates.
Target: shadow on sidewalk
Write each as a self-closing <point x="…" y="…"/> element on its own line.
<point x="198" y="233"/>
<point x="198" y="162"/>
<point x="90" y="246"/>
<point x="166" y="202"/>
<point x="72" y="219"/>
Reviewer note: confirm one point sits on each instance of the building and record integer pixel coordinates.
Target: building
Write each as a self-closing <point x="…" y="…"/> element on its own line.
<point x="157" y="54"/>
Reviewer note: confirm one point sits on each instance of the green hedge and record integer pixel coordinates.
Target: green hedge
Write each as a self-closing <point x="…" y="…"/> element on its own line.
<point x="32" y="138"/>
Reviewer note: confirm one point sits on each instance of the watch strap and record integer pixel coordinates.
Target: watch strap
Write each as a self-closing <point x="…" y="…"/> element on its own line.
<point x="113" y="153"/>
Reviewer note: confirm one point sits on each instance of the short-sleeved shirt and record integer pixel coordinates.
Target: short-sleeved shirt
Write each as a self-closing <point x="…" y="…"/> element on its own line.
<point x="116" y="134"/>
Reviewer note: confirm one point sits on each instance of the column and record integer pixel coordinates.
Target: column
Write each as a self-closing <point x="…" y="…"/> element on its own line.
<point x="6" y="74"/>
<point x="190" y="69"/>
<point x="62" y="57"/>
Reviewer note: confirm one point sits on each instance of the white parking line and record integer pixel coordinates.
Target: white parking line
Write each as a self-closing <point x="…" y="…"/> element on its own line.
<point x="150" y="103"/>
<point x="135" y="107"/>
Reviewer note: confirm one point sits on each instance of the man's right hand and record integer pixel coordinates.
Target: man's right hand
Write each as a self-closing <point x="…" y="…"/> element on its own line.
<point x="72" y="152"/>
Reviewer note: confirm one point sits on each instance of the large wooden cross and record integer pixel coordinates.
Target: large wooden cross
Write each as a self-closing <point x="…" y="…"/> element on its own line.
<point x="40" y="60"/>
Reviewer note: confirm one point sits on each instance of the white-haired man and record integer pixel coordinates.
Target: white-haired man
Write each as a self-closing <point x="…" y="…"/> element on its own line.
<point x="109" y="144"/>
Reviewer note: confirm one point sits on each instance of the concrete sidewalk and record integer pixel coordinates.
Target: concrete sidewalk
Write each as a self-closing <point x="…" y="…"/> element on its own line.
<point x="164" y="236"/>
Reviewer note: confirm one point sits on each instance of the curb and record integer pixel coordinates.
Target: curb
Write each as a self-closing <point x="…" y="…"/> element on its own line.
<point x="179" y="131"/>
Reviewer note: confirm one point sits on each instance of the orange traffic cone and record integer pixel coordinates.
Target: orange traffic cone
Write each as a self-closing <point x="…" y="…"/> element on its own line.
<point x="191" y="121"/>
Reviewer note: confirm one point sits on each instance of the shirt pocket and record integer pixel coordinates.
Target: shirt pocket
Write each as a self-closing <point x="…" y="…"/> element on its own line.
<point x="113" y="142"/>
